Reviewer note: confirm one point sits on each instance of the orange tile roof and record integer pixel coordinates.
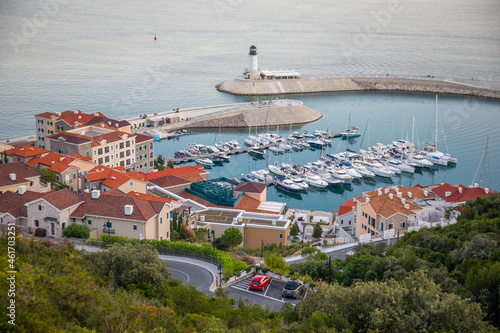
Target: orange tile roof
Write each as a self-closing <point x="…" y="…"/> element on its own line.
<point x="148" y="197"/>
<point x="250" y="187"/>
<point x="139" y="175"/>
<point x="176" y="171"/>
<point x="344" y="210"/>
<point x="168" y="181"/>
<point x="63" y="198"/>
<point x="27" y="151"/>
<point x="53" y="161"/>
<point x="385" y="206"/>
<point x="108" y="176"/>
<point x="459" y="193"/>
<point x="109" y="137"/>
<point x="192" y="177"/>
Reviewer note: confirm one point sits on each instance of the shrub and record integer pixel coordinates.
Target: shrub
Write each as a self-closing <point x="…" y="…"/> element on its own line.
<point x="77" y="231"/>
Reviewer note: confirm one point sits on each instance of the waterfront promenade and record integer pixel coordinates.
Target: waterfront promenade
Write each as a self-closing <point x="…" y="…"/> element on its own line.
<point x="315" y="83"/>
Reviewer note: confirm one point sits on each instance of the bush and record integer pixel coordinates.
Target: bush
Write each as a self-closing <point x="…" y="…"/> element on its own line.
<point x="77" y="231"/>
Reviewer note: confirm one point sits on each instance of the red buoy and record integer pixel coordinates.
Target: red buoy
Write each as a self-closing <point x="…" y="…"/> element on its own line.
<point x="155" y="37"/>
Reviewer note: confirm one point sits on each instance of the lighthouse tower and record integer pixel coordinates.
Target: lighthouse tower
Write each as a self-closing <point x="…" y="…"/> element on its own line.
<point x="252" y="59"/>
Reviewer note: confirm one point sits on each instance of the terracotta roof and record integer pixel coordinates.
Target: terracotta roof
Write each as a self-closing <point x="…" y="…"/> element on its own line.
<point x="26" y="151"/>
<point x="139" y="175"/>
<point x="250" y="187"/>
<point x="148" y="197"/>
<point x="246" y="203"/>
<point x="47" y="115"/>
<point x="63" y="199"/>
<point x="13" y="203"/>
<point x="108" y="176"/>
<point x="168" y="181"/>
<point x="112" y="205"/>
<point x="192" y="177"/>
<point x="80" y="118"/>
<point x="110" y="137"/>
<point x="344" y="210"/>
<point x="176" y="171"/>
<point x="416" y="192"/>
<point x="385" y="206"/>
<point x="20" y="169"/>
<point x="459" y="193"/>
<point x="141" y="138"/>
<point x="53" y="161"/>
<point x="70" y="137"/>
<point x="108" y="121"/>
<point x="6" y="181"/>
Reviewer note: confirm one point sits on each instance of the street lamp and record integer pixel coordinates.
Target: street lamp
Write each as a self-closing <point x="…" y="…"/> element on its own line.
<point x="213" y="237"/>
<point x="107" y="225"/>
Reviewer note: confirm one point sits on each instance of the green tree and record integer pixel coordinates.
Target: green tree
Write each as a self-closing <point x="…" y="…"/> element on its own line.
<point x="277" y="263"/>
<point x="173" y="225"/>
<point x="231" y="237"/>
<point x="294" y="230"/>
<point x="318" y="231"/>
<point x="160" y="159"/>
<point x="179" y="224"/>
<point x="77" y="231"/>
<point x="170" y="164"/>
<point x="125" y="264"/>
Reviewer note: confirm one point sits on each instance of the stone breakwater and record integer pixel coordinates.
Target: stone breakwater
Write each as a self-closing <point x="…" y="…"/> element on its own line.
<point x="298" y="114"/>
<point x="238" y="86"/>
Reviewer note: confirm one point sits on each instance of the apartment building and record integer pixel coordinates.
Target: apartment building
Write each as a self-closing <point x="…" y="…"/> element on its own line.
<point x="104" y="179"/>
<point x="106" y="146"/>
<point x="49" y="123"/>
<point x="13" y="175"/>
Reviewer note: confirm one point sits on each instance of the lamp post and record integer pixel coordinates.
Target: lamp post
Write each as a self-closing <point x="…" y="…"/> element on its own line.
<point x="107" y="225"/>
<point x="213" y="237"/>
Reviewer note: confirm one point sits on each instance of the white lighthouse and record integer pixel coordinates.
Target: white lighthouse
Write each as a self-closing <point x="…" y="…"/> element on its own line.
<point x="252" y="59"/>
<point x="252" y="72"/>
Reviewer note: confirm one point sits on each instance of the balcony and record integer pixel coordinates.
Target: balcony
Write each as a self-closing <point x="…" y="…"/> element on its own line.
<point x="108" y="231"/>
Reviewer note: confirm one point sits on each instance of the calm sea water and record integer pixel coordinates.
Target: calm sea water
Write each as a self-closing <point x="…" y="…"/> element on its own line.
<point x="101" y="56"/>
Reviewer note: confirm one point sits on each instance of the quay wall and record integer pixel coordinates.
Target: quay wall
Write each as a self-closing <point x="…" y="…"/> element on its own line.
<point x="238" y="86"/>
<point x="286" y="115"/>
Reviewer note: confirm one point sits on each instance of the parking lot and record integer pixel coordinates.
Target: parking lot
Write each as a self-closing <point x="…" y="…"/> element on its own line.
<point x="272" y="292"/>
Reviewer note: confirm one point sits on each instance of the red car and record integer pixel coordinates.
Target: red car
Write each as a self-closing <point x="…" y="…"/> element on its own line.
<point x="259" y="282"/>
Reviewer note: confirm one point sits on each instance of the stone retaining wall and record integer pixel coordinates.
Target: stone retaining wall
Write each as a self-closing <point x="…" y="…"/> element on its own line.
<point x="301" y="86"/>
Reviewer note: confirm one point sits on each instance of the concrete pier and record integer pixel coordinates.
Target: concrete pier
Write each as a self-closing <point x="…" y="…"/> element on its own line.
<point x="258" y="113"/>
<point x="309" y="83"/>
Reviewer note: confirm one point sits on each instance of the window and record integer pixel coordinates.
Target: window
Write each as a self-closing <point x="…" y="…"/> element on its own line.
<point x="32" y="183"/>
<point x="391" y="226"/>
<point x="36" y="223"/>
<point x="371" y="221"/>
<point x="349" y="222"/>
<point x="135" y="227"/>
<point x="89" y="222"/>
<point x="402" y="225"/>
<point x="53" y="229"/>
<point x="64" y="225"/>
<point x="74" y="176"/>
<point x="99" y="151"/>
<point x="1" y="219"/>
<point x="106" y="149"/>
<point x="341" y="221"/>
<point x="131" y="183"/>
<point x="364" y="214"/>
<point x="364" y="226"/>
<point x="167" y="234"/>
<point x="40" y="207"/>
<point x="281" y="236"/>
<point x="382" y="226"/>
<point x="161" y="220"/>
<point x="127" y="144"/>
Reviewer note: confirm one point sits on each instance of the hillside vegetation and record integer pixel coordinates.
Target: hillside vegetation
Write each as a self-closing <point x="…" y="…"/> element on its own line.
<point x="434" y="280"/>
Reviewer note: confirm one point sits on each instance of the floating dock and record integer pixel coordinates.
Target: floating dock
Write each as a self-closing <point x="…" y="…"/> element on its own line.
<point x="308" y="83"/>
<point x="244" y="150"/>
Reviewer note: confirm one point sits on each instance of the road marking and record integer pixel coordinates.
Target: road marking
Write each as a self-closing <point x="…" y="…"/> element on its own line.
<point x="275" y="299"/>
<point x="172" y="269"/>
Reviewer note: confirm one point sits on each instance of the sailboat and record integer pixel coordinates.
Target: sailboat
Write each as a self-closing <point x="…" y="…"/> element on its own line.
<point x="431" y="152"/>
<point x="351" y="132"/>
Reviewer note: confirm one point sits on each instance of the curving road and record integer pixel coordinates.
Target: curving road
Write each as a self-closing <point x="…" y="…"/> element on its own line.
<point x="187" y="273"/>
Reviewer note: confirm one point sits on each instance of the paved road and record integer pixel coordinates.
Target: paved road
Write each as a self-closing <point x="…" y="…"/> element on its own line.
<point x="194" y="275"/>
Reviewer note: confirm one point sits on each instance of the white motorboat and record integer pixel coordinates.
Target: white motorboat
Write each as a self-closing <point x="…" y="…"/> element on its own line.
<point x="315" y="180"/>
<point x="341" y="174"/>
<point x="277" y="150"/>
<point x="235" y="144"/>
<point x="212" y="149"/>
<point x="362" y="170"/>
<point x="276" y="169"/>
<point x="249" y="177"/>
<point x="257" y="151"/>
<point x="204" y="162"/>
<point x="300" y="182"/>
<point x="288" y="185"/>
<point x="420" y="161"/>
<point x="285" y="146"/>
<point x="352" y="172"/>
<point x="400" y="165"/>
<point x="222" y="147"/>
<point x="316" y="143"/>
<point x="262" y="175"/>
<point x="377" y="168"/>
<point x="396" y="171"/>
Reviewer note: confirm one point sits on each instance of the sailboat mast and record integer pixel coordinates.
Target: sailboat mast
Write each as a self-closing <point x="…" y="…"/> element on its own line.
<point x="412" y="128"/>
<point x="484" y="162"/>
<point x="436" y="134"/>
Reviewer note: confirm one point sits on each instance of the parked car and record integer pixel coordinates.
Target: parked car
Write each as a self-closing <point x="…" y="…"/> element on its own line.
<point x="293" y="289"/>
<point x="259" y="282"/>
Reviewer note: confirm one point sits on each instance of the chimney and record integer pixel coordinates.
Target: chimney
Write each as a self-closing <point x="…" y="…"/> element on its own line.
<point x="367" y="199"/>
<point x="273" y="222"/>
<point x="391" y="196"/>
<point x="95" y="194"/>
<point x="407" y="206"/>
<point x="12" y="176"/>
<point x="486" y="190"/>
<point x="21" y="189"/>
<point x="109" y="123"/>
<point x="447" y="194"/>
<point x="400" y="194"/>
<point x="96" y="114"/>
<point x="386" y="190"/>
<point x="409" y="194"/>
<point x="425" y="192"/>
<point x="470" y="186"/>
<point x="79" y="117"/>
<point x="202" y="218"/>
<point x="102" y="125"/>
<point x="129" y="209"/>
<point x="379" y="192"/>
<point x="460" y="189"/>
<point x="403" y="201"/>
<point x="476" y="185"/>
